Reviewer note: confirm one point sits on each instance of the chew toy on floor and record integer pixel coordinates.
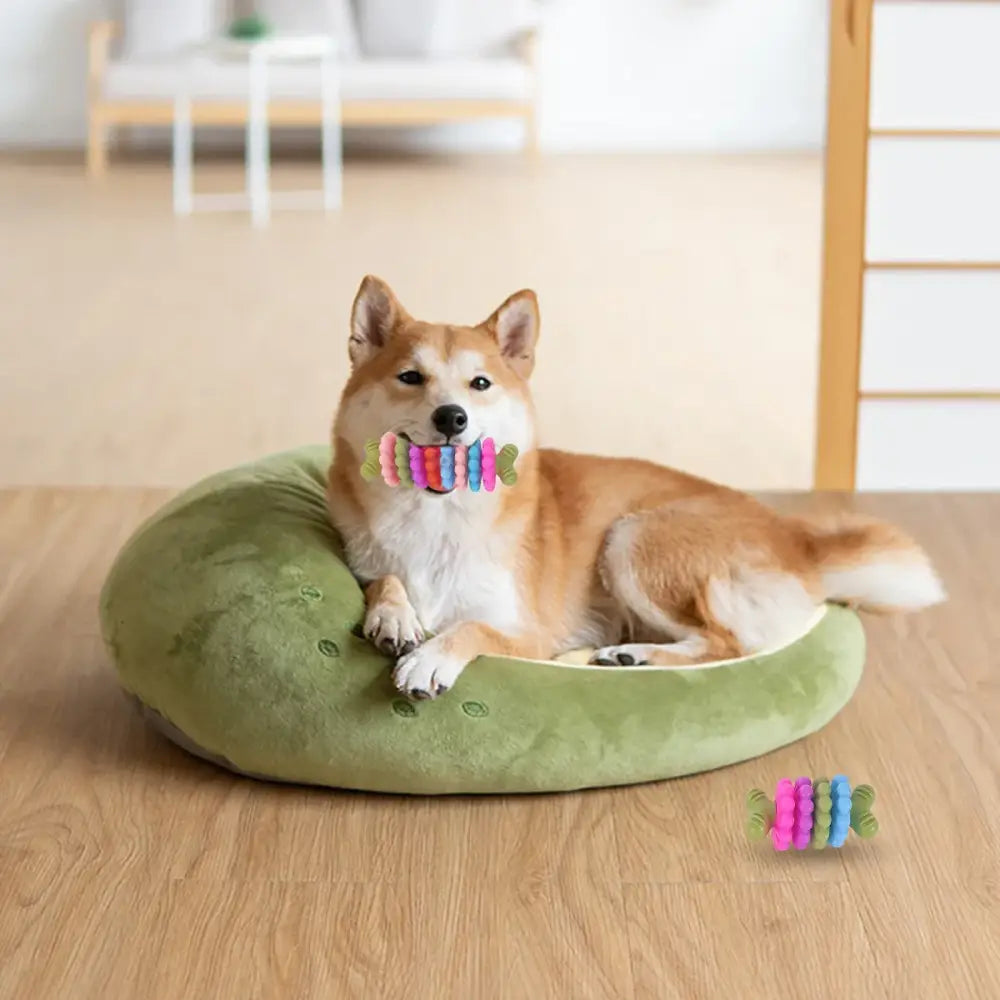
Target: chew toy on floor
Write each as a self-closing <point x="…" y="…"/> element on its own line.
<point x="440" y="467"/>
<point x="809" y="813"/>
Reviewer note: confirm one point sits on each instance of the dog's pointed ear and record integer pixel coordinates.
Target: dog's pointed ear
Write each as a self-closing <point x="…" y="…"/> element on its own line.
<point x="374" y="316"/>
<point x="515" y="326"/>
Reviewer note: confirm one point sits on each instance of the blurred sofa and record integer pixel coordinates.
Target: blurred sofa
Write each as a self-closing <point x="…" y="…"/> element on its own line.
<point x="402" y="62"/>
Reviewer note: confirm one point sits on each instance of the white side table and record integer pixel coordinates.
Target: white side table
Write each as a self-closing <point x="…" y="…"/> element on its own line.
<point x="258" y="196"/>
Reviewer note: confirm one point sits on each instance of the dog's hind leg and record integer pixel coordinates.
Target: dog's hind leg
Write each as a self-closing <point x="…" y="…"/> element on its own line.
<point x="706" y="578"/>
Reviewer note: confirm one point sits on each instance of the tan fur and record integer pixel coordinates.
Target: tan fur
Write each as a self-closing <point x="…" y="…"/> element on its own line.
<point x="601" y="548"/>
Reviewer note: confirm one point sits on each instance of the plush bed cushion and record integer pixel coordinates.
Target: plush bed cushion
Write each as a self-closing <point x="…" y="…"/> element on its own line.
<point x="232" y="618"/>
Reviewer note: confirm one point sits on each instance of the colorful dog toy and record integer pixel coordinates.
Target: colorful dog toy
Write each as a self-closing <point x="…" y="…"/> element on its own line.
<point x="809" y="813"/>
<point x="440" y="467"/>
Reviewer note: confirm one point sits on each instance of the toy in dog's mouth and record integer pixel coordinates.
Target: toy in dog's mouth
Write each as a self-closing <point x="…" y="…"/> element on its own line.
<point x="406" y="437"/>
<point x="440" y="468"/>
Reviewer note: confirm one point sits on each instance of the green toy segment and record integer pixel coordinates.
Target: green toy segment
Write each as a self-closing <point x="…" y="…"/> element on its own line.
<point x="822" y="813"/>
<point x="863" y="823"/>
<point x="402" y="455"/>
<point x="760" y="814"/>
<point x="506" y="457"/>
<point x="371" y="468"/>
<point x="231" y="615"/>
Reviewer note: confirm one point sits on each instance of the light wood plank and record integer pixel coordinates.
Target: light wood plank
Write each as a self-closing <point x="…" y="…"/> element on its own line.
<point x="129" y="869"/>
<point x="767" y="940"/>
<point x="185" y="345"/>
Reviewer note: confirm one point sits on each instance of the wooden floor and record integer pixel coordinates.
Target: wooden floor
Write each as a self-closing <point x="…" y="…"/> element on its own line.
<point x="144" y="349"/>
<point x="129" y="870"/>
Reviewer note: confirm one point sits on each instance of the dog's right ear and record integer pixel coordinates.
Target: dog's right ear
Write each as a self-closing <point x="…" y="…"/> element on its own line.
<point x="375" y="314"/>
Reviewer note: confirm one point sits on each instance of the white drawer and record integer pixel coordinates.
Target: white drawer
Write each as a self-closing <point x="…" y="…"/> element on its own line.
<point x="935" y="65"/>
<point x="939" y="445"/>
<point x="936" y="330"/>
<point x="933" y="200"/>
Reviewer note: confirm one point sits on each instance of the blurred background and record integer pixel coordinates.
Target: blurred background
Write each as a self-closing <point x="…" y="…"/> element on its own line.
<point x="651" y="167"/>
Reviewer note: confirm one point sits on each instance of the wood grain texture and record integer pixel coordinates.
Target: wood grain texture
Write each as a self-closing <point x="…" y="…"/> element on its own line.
<point x="844" y="201"/>
<point x="128" y="869"/>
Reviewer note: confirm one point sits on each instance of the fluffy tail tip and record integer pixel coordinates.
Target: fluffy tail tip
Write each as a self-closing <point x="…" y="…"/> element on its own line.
<point x="891" y="581"/>
<point x="873" y="565"/>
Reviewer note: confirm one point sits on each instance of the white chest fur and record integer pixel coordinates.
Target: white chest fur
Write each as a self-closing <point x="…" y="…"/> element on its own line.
<point x="452" y="561"/>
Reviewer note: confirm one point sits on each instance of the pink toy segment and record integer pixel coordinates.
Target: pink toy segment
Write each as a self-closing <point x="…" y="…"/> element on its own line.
<point x="489" y="465"/>
<point x="802" y="828"/>
<point x="387" y="459"/>
<point x="784" y="815"/>
<point x="461" y="467"/>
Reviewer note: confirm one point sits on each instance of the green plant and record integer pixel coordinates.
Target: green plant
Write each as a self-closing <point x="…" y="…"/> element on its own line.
<point x="249" y="28"/>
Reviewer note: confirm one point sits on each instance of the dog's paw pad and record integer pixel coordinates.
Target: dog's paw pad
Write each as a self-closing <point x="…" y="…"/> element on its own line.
<point x="427" y="672"/>
<point x="617" y="656"/>
<point x="393" y="630"/>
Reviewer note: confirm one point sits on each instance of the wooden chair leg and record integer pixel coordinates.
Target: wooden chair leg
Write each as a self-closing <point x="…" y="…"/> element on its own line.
<point x="97" y="146"/>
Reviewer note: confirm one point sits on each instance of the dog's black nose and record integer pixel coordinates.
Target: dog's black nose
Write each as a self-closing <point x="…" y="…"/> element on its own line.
<point x="450" y="420"/>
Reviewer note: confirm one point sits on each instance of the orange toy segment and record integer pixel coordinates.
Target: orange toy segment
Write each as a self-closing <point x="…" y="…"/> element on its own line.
<point x="432" y="463"/>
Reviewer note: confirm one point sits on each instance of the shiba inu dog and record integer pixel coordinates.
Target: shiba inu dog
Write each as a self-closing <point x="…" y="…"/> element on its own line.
<point x="649" y="565"/>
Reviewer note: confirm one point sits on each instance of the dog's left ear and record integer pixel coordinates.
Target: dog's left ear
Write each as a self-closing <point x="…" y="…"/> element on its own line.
<point x="515" y="327"/>
<point x="374" y="317"/>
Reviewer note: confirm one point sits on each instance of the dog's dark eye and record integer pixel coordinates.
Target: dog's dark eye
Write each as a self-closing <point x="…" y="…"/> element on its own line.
<point x="480" y="382"/>
<point x="411" y="377"/>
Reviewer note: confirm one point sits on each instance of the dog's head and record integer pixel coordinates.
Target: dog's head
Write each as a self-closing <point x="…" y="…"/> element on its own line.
<point x="438" y="384"/>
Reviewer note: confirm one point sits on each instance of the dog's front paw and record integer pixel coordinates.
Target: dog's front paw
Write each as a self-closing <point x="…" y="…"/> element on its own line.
<point x="427" y="672"/>
<point x="627" y="655"/>
<point x="393" y="628"/>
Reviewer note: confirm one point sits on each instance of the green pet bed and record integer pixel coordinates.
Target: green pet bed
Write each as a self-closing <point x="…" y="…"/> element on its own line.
<point x="233" y="620"/>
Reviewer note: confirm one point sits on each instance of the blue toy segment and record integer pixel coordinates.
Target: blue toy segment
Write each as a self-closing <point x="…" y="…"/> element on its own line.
<point x="475" y="467"/>
<point x="447" y="466"/>
<point x="840" y="812"/>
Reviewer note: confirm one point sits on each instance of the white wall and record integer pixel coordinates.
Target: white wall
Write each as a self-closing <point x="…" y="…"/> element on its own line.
<point x="615" y="74"/>
<point x="687" y="74"/>
<point x="43" y="69"/>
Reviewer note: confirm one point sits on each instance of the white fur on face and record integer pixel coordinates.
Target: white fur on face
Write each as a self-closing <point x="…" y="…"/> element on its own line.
<point x="495" y="413"/>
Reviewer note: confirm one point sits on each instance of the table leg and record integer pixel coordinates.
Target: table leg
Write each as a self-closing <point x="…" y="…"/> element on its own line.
<point x="258" y="151"/>
<point x="333" y="163"/>
<point x="182" y="156"/>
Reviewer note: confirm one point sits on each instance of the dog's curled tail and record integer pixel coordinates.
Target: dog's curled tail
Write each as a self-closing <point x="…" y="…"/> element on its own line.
<point x="870" y="564"/>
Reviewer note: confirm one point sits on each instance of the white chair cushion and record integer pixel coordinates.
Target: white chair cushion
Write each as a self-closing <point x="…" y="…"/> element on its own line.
<point x="394" y="28"/>
<point x="446" y="79"/>
<point x="323" y="17"/>
<point x="364" y="80"/>
<point x="153" y="27"/>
